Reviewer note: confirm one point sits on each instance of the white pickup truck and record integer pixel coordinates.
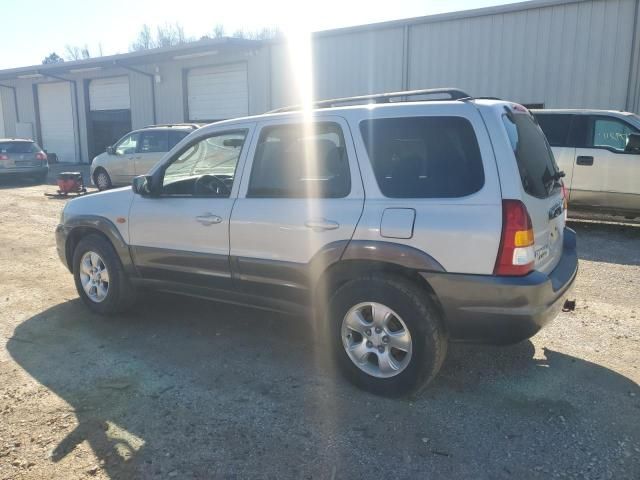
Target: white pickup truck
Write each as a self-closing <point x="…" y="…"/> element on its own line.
<point x="599" y="151"/>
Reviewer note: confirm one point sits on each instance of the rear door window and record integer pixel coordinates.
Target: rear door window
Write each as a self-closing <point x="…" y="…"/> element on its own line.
<point x="555" y="127"/>
<point x="153" y="142"/>
<point x="538" y="169"/>
<point x="424" y="157"/>
<point x="297" y="161"/>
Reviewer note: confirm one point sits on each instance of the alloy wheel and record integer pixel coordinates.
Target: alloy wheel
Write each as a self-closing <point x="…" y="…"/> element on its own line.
<point x="94" y="276"/>
<point x="376" y="339"/>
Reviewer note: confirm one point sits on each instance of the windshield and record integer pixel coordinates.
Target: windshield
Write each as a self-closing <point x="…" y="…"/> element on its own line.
<point x="538" y="169"/>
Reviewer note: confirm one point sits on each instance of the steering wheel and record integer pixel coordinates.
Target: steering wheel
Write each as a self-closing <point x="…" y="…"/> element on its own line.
<point x="210" y="185"/>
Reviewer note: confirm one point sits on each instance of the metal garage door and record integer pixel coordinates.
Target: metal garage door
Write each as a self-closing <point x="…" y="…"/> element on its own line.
<point x="56" y="120"/>
<point x="109" y="94"/>
<point x="218" y="93"/>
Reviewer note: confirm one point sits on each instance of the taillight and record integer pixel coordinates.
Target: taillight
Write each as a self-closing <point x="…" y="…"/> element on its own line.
<point x="4" y="157"/>
<point x="516" y="255"/>
<point x="41" y="156"/>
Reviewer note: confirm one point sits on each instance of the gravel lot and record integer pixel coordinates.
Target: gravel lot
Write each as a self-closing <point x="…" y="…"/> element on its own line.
<point x="191" y="389"/>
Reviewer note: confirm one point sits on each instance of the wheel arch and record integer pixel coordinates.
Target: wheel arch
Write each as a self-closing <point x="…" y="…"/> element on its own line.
<point x="377" y="257"/>
<point x="82" y="226"/>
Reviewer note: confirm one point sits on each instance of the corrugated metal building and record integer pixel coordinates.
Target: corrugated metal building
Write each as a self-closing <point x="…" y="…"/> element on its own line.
<point x="551" y="53"/>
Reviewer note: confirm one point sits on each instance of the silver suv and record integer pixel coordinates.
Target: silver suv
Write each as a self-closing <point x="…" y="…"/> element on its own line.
<point x="401" y="225"/>
<point x="136" y="153"/>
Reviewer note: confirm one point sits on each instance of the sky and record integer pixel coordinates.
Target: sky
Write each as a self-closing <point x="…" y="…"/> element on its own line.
<point x="31" y="29"/>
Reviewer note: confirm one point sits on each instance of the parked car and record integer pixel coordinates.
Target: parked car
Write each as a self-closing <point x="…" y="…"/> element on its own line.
<point x="135" y="154"/>
<point x="599" y="151"/>
<point x="23" y="157"/>
<point x="402" y="225"/>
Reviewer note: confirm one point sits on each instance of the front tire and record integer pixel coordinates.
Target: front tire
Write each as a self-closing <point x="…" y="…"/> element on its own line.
<point x="102" y="180"/>
<point x="386" y="334"/>
<point x="100" y="278"/>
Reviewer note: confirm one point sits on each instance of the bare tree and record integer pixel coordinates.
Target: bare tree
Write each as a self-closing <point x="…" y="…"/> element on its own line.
<point x="171" y="34"/>
<point x="167" y="35"/>
<point x="218" y="31"/>
<point x="144" y="40"/>
<point x="73" y="52"/>
<point x="266" y="33"/>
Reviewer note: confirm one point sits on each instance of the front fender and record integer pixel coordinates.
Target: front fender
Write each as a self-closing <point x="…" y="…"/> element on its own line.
<point x="69" y="234"/>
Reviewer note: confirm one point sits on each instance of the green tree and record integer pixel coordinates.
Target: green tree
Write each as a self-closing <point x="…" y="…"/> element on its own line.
<point x="53" y="57"/>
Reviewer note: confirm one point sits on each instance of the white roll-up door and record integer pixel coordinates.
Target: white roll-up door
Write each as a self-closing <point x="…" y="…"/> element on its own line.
<point x="218" y="93"/>
<point x="56" y="120"/>
<point x="109" y="94"/>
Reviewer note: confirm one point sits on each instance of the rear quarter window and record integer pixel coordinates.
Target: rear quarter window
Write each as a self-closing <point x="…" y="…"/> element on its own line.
<point x="555" y="127"/>
<point x="424" y="157"/>
<point x="537" y="167"/>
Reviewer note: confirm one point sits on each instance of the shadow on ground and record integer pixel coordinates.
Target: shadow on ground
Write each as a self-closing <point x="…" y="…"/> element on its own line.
<point x="607" y="242"/>
<point x="18" y="181"/>
<point x="211" y="391"/>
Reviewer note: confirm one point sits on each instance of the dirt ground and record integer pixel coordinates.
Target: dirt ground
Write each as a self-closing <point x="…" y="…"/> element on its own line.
<point x="182" y="388"/>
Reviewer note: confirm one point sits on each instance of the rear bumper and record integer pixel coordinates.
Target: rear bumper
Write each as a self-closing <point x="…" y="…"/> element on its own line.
<point x="35" y="171"/>
<point x="502" y="310"/>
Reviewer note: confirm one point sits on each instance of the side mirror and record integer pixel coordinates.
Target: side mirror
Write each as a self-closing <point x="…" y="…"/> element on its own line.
<point x="142" y="185"/>
<point x="633" y="143"/>
<point x="111" y="150"/>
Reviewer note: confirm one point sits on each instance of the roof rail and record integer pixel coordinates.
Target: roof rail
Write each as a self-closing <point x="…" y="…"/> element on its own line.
<point x="454" y="94"/>
<point x="192" y="125"/>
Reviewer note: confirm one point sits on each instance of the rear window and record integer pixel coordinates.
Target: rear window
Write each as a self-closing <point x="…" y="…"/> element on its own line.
<point x="19" y="147"/>
<point x="556" y="128"/>
<point x="538" y="169"/>
<point x="424" y="157"/>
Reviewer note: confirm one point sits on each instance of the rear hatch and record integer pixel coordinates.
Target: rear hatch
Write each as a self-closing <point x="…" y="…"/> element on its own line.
<point x="21" y="154"/>
<point x="541" y="183"/>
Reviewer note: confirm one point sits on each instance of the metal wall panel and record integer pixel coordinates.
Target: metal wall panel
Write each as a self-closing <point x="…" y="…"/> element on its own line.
<point x="343" y="65"/>
<point x="567" y="55"/>
<point x="7" y="97"/>
<point x="141" y="93"/>
<point x="2" y="129"/>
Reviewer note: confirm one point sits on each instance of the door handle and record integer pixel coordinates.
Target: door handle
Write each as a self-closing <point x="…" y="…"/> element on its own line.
<point x="208" y="219"/>
<point x="320" y="224"/>
<point x="583" y="160"/>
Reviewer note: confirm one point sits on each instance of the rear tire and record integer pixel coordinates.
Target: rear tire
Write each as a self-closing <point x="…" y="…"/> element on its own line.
<point x="102" y="180"/>
<point x="392" y="357"/>
<point x="100" y="278"/>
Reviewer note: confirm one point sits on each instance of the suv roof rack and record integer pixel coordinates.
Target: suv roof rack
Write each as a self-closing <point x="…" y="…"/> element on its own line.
<point x="192" y="125"/>
<point x="454" y="94"/>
